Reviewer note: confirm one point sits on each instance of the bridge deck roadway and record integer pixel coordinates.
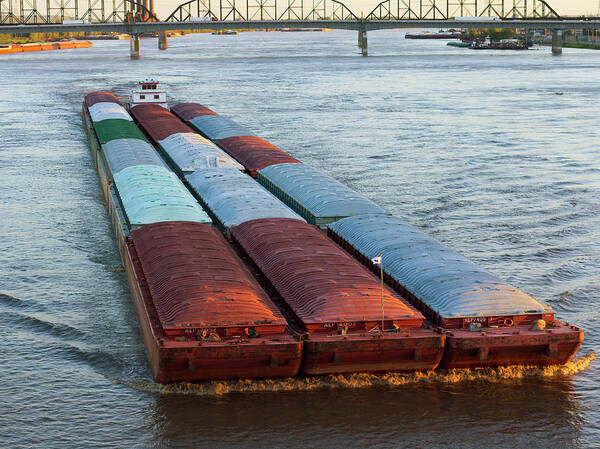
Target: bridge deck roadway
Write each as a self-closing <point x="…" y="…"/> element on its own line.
<point x="369" y="25"/>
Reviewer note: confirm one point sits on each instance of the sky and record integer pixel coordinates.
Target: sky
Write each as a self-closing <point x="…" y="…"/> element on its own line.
<point x="563" y="7"/>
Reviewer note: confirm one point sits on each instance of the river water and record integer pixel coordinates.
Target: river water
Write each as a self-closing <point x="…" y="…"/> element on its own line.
<point x="495" y="153"/>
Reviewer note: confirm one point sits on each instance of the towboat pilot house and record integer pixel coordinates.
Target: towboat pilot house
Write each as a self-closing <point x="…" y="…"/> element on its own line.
<point x="148" y="92"/>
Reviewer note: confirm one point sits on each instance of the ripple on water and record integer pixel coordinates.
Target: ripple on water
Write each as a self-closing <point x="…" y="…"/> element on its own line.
<point x="502" y="170"/>
<point x="46" y="325"/>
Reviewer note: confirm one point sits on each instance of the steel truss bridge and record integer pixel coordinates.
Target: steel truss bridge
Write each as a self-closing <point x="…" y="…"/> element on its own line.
<point x="119" y="11"/>
<point x="135" y="17"/>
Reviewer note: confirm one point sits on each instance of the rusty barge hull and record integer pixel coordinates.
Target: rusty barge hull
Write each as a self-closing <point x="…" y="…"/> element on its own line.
<point x="189" y="360"/>
<point x="415" y="350"/>
<point x="511" y="346"/>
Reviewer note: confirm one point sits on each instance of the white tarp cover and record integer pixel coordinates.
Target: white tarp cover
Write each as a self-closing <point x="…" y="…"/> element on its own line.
<point x="151" y="194"/>
<point x="235" y="198"/>
<point x="123" y="153"/>
<point x="105" y="110"/>
<point x="191" y="152"/>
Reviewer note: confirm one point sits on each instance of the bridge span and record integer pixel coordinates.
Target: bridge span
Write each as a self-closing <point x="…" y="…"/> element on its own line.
<point x="132" y="17"/>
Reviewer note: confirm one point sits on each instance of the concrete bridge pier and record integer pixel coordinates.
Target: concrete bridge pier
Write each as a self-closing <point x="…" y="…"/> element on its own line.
<point x="557" y="42"/>
<point x="362" y="42"/>
<point x="134" y="46"/>
<point x="162" y="40"/>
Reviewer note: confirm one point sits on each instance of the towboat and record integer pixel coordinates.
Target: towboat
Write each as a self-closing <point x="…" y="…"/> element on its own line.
<point x="147" y="92"/>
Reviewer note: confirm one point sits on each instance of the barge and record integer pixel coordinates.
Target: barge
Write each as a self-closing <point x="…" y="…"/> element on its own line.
<point x="271" y="294"/>
<point x="450" y="34"/>
<point x="487" y="321"/>
<point x="43" y="46"/>
<point x="201" y="318"/>
<point x="352" y="322"/>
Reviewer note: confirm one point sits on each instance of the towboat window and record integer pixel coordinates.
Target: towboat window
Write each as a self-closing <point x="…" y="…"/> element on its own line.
<point x="142" y="97"/>
<point x="156" y="97"/>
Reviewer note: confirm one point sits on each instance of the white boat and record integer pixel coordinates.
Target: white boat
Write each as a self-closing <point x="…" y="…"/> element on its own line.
<point x="147" y="92"/>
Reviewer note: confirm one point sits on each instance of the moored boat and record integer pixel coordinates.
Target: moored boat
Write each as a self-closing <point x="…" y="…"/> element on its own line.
<point x="503" y="44"/>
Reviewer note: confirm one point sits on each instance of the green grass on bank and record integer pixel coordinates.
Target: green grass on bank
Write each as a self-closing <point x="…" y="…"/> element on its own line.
<point x="589" y="45"/>
<point x="37" y="37"/>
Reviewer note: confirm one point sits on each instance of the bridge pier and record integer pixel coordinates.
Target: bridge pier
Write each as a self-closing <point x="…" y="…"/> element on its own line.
<point x="162" y="40"/>
<point x="362" y="42"/>
<point x="557" y="42"/>
<point x="134" y="46"/>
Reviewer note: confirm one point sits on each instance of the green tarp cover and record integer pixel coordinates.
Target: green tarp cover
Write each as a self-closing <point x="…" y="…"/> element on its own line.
<point x="111" y="129"/>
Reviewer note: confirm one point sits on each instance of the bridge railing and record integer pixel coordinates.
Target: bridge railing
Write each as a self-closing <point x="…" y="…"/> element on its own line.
<point x="447" y="9"/>
<point x="57" y="11"/>
<point x="244" y="10"/>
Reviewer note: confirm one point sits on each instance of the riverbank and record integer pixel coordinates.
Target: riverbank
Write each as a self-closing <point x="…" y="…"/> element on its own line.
<point x="32" y="38"/>
<point x="587" y="45"/>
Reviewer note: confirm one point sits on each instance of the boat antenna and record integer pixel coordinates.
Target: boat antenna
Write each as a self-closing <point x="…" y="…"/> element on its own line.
<point x="379" y="261"/>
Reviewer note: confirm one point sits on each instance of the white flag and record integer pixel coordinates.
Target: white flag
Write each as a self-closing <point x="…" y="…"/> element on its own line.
<point x="376" y="260"/>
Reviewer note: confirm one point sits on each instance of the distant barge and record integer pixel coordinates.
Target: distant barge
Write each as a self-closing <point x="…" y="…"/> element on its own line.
<point x="234" y="278"/>
<point x="42" y="46"/>
<point x="450" y="34"/>
<point x="487" y="44"/>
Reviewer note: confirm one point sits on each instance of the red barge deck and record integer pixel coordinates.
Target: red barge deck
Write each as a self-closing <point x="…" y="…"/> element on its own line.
<point x="202" y="316"/>
<point x="338" y="303"/>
